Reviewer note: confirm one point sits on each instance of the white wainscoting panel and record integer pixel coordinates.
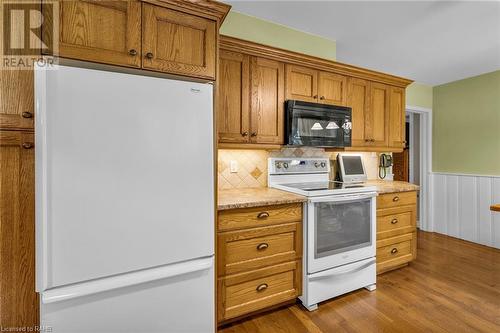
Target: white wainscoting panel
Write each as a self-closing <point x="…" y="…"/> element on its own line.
<point x="461" y="207"/>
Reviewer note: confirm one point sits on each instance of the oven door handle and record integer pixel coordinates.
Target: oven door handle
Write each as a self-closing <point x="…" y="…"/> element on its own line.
<point x="327" y="275"/>
<point x="340" y="198"/>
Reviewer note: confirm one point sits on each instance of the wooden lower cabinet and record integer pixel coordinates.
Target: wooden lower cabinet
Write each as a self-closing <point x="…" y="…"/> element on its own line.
<point x="396" y="230"/>
<point x="18" y="299"/>
<point x="259" y="253"/>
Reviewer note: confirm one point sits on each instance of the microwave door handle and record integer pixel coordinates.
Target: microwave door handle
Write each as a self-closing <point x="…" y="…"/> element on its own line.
<point x="343" y="198"/>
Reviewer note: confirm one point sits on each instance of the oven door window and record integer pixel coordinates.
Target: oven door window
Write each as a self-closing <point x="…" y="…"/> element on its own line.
<point x="341" y="227"/>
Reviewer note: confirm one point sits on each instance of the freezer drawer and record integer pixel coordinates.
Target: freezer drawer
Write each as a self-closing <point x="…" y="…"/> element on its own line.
<point x="181" y="301"/>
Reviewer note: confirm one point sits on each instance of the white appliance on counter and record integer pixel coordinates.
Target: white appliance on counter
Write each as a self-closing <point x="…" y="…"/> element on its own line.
<point x="124" y="212"/>
<point x="339" y="228"/>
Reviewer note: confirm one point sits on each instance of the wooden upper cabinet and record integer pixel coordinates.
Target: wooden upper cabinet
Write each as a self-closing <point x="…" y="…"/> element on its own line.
<point x="397" y="126"/>
<point x="16" y="99"/>
<point x="301" y="83"/>
<point x="358" y="98"/>
<point x="233" y="93"/>
<point x="332" y="88"/>
<point x="267" y="101"/>
<point x="377" y="117"/>
<point x="101" y="31"/>
<point x="19" y="301"/>
<point x="177" y="42"/>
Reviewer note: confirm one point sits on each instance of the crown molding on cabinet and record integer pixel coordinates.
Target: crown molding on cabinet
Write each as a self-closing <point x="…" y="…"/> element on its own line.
<point x="205" y="8"/>
<point x="256" y="49"/>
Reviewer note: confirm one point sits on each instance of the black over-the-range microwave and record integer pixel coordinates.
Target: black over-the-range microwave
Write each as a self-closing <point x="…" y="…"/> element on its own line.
<point x="317" y="125"/>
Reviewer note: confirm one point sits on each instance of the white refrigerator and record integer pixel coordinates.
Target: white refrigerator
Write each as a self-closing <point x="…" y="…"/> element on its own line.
<point x="124" y="202"/>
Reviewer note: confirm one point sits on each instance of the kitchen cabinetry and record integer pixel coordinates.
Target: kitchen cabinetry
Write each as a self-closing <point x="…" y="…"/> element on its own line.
<point x="250" y="100"/>
<point x="376" y="99"/>
<point x="19" y="302"/>
<point x="100" y="31"/>
<point x="259" y="253"/>
<point x="176" y="37"/>
<point x="306" y="84"/>
<point x="396" y="230"/>
<point x="16" y="99"/>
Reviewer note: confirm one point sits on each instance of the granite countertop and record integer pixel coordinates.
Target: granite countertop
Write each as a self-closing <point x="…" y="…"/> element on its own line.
<point x="254" y="197"/>
<point x="392" y="186"/>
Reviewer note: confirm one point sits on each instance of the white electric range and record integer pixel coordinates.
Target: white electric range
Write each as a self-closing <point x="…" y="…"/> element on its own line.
<point x="339" y="228"/>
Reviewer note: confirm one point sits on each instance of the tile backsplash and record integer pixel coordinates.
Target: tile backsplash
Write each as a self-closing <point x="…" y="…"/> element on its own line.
<point x="252" y="165"/>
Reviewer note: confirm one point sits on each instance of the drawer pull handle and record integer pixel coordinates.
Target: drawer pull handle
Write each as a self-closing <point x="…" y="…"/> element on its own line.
<point x="394" y="221"/>
<point x="27" y="145"/>
<point x="395" y="199"/>
<point x="262" y="287"/>
<point x="394" y="251"/>
<point x="27" y="115"/>
<point x="149" y="55"/>
<point x="262" y="246"/>
<point x="263" y="215"/>
<point x="132" y="52"/>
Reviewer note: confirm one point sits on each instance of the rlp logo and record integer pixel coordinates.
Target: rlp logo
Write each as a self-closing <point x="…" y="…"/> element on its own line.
<point x="22" y="28"/>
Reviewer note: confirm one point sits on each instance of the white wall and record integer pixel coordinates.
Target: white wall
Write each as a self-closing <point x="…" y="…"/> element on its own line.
<point x="461" y="207"/>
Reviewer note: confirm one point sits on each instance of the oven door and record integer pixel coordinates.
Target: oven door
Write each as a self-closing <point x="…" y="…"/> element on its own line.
<point x="340" y="230"/>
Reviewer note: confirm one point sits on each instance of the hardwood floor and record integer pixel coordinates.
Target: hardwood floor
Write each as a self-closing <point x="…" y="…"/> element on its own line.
<point x="453" y="286"/>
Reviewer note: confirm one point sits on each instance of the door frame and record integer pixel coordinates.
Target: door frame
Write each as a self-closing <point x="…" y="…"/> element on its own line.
<point x="425" y="196"/>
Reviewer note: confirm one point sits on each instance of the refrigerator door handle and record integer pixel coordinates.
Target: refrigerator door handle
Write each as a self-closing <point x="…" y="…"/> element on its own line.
<point x="125" y="280"/>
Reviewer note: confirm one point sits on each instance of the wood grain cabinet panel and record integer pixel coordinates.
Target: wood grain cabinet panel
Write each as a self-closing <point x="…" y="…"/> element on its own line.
<point x="101" y="31"/>
<point x="18" y="301"/>
<point x="358" y="98"/>
<point x="396" y="221"/>
<point x="301" y="83"/>
<point x="397" y="117"/>
<point x="267" y="101"/>
<point x="233" y="94"/>
<point x="389" y="200"/>
<point x="376" y="120"/>
<point x="16" y="99"/>
<point x="178" y="43"/>
<point x="395" y="252"/>
<point x="332" y="88"/>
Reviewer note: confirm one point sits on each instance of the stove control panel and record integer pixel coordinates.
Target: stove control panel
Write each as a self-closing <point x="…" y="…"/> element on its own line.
<point x="279" y="165"/>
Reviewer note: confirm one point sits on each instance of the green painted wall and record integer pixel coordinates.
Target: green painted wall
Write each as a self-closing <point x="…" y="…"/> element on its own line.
<point x="419" y="95"/>
<point x="466" y="126"/>
<point x="272" y="34"/>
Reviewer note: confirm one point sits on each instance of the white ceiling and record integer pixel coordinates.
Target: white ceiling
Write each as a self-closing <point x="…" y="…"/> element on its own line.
<point x="431" y="42"/>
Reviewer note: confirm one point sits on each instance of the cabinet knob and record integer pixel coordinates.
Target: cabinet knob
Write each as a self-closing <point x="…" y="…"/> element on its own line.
<point x="322" y="98"/>
<point x="27" y="115"/>
<point x="244" y="134"/>
<point x="262" y="246"/>
<point x="27" y="145"/>
<point x="263" y="215"/>
<point x="394" y="221"/>
<point x="149" y="55"/>
<point x="315" y="96"/>
<point x="395" y="199"/>
<point x="132" y="52"/>
<point x="372" y="140"/>
<point x="262" y="287"/>
<point x="254" y="134"/>
<point x="394" y="251"/>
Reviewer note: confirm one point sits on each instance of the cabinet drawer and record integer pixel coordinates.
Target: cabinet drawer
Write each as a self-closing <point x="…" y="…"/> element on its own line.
<point x="396" y="221"/>
<point x="396" y="199"/>
<point x="396" y="251"/>
<point x="245" y="293"/>
<point x="258" y="216"/>
<point x="254" y="248"/>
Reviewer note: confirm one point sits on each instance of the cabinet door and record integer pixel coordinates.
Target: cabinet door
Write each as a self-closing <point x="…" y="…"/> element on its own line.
<point x="377" y="117"/>
<point x="16" y="99"/>
<point x="358" y="98"/>
<point x="233" y="97"/>
<point x="301" y="83"/>
<point x="332" y="88"/>
<point x="397" y="126"/>
<point x="19" y="302"/>
<point x="268" y="102"/>
<point x="178" y="43"/>
<point x="102" y="31"/>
